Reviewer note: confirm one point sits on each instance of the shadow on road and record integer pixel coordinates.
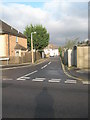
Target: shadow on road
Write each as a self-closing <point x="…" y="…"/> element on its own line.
<point x="44" y="105"/>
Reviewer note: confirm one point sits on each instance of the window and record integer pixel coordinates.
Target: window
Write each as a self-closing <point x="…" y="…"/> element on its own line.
<point x="17" y="53"/>
<point x="16" y="39"/>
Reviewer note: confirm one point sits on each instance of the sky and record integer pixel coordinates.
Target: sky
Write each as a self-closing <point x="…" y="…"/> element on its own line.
<point x="63" y="20"/>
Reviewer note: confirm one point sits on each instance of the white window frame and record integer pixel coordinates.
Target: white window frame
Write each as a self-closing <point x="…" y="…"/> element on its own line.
<point x="16" y="39"/>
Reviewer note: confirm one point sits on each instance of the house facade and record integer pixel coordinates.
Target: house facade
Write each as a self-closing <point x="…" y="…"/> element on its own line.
<point x="51" y="50"/>
<point x="12" y="42"/>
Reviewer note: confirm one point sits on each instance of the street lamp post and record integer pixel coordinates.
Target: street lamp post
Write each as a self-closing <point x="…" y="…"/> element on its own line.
<point x="32" y="46"/>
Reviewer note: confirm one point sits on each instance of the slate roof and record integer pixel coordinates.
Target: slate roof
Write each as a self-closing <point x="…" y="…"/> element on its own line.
<point x="20" y="47"/>
<point x="5" y="29"/>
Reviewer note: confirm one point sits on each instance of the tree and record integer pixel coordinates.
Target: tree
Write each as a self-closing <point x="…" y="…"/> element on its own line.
<point x="60" y="51"/>
<point x="71" y="42"/>
<point x="40" y="39"/>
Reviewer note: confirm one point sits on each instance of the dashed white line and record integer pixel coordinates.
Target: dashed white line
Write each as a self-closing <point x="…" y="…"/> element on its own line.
<point x="38" y="80"/>
<point x="70" y="81"/>
<point x="49" y="63"/>
<point x="86" y="82"/>
<point x="25" y="77"/>
<point x="21" y="79"/>
<point x="7" y="79"/>
<point x="44" y="67"/>
<point x="54" y="80"/>
<point x="31" y="73"/>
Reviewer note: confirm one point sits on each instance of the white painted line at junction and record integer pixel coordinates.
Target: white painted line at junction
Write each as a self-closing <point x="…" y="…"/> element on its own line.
<point x="86" y="82"/>
<point x="54" y="80"/>
<point x="21" y="79"/>
<point x="37" y="80"/>
<point x="7" y="79"/>
<point x="40" y="78"/>
<point x="44" y="67"/>
<point x="25" y="76"/>
<point x="70" y="81"/>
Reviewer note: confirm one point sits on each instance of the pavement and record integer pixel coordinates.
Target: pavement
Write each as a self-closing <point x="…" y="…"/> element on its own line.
<point x="23" y="64"/>
<point x="82" y="74"/>
<point x="43" y="90"/>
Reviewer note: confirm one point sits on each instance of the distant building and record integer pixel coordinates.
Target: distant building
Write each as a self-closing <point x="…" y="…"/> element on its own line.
<point x="12" y="42"/>
<point x="51" y="50"/>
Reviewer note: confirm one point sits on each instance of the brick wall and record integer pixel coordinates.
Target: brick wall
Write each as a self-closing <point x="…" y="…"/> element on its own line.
<point x="22" y="41"/>
<point x="27" y="58"/>
<point x="12" y="42"/>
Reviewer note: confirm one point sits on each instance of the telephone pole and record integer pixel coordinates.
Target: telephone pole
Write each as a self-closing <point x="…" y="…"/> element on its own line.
<point x="32" y="46"/>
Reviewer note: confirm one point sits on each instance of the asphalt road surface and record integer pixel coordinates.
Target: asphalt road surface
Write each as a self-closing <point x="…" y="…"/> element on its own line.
<point x="43" y="91"/>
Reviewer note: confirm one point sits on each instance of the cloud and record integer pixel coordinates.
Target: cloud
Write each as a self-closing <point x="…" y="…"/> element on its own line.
<point x="62" y="20"/>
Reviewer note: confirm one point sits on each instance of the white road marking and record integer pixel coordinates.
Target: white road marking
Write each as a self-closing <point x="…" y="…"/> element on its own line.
<point x="86" y="82"/>
<point x="70" y="81"/>
<point x="21" y="79"/>
<point x="54" y="80"/>
<point x="49" y="63"/>
<point x="7" y="79"/>
<point x="38" y="80"/>
<point x="24" y="77"/>
<point x="31" y="73"/>
<point x="44" y="67"/>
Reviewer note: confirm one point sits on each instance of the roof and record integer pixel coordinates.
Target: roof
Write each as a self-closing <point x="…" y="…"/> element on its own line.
<point x="87" y="43"/>
<point x="18" y="46"/>
<point x="51" y="46"/>
<point x="7" y="29"/>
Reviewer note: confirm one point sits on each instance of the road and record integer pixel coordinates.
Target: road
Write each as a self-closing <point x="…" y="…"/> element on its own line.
<point x="43" y="91"/>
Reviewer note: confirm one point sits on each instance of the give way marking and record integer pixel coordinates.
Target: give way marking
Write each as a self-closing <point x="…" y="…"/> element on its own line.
<point x="25" y="76"/>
